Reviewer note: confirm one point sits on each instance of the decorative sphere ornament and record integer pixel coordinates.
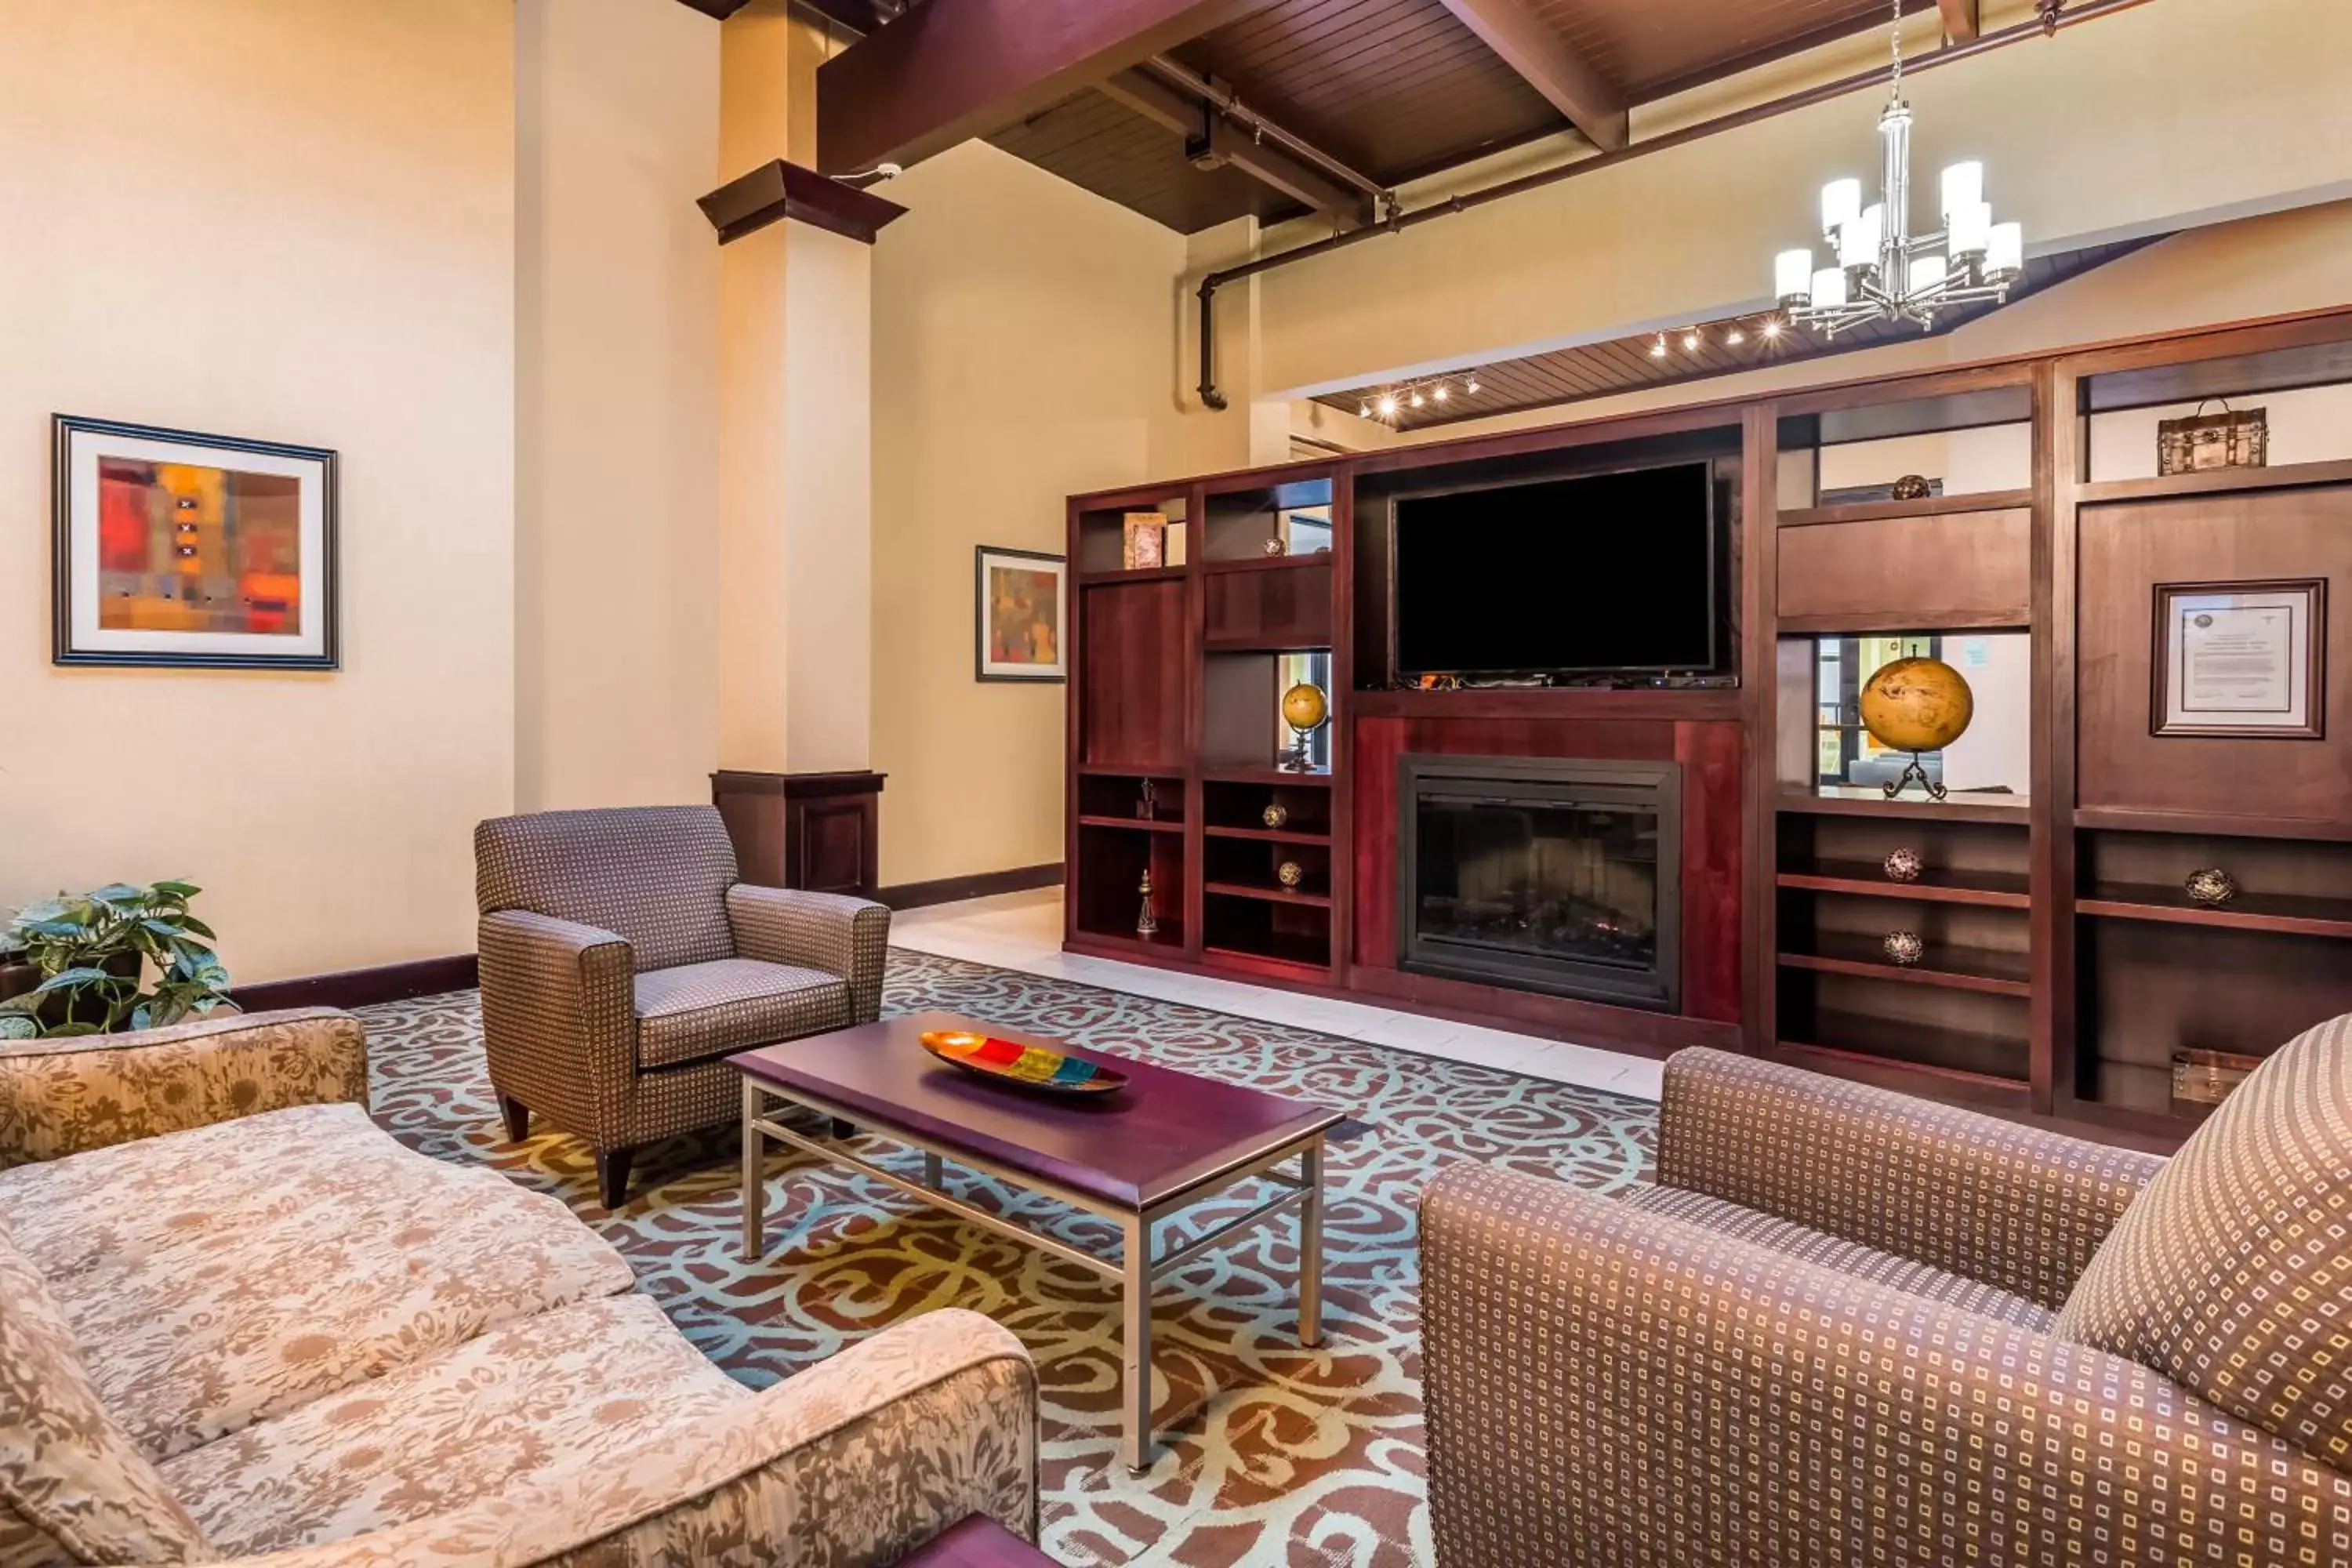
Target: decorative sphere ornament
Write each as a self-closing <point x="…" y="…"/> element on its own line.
<point x="1904" y="947"/>
<point x="1904" y="865"/>
<point x="1290" y="873"/>
<point x="1917" y="705"/>
<point x="1304" y="706"/>
<point x="1277" y="547"/>
<point x="2212" y="886"/>
<point x="1912" y="486"/>
<point x="1275" y="814"/>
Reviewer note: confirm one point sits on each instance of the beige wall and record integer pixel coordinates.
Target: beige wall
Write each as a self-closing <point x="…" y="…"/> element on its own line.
<point x="295" y="222"/>
<point x="1023" y="348"/>
<point x="616" y="387"/>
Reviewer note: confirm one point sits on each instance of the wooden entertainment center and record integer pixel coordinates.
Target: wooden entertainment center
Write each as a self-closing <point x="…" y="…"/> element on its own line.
<point x="2065" y="965"/>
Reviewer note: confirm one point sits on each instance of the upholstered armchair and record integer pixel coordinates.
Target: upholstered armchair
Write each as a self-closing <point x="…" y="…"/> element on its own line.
<point x="622" y="962"/>
<point x="1845" y="1326"/>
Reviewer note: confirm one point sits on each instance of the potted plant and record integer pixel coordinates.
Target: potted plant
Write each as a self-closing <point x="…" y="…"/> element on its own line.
<point x="92" y="950"/>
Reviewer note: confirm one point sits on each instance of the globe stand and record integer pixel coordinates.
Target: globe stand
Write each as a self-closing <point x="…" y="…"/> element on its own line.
<point x="1300" y="761"/>
<point x="1914" y="770"/>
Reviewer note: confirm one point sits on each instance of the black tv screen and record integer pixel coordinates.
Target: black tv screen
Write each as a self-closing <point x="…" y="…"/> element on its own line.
<point x="1606" y="572"/>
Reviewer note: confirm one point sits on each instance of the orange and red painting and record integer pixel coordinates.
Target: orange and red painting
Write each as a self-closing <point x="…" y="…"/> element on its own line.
<point x="186" y="548"/>
<point x="1020" y="606"/>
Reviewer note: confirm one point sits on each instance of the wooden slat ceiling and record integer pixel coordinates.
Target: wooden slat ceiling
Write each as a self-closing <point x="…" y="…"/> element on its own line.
<point x="1627" y="364"/>
<point x="1400" y="88"/>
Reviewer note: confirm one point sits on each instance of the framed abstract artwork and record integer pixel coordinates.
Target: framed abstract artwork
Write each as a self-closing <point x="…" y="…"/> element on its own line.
<point x="174" y="548"/>
<point x="1022" y="618"/>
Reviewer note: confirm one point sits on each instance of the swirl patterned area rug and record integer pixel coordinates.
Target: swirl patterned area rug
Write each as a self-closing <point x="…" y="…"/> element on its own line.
<point x="1271" y="1455"/>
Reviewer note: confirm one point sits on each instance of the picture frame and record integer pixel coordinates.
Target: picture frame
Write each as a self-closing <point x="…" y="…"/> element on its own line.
<point x="2246" y="659"/>
<point x="179" y="549"/>
<point x="1021" y="614"/>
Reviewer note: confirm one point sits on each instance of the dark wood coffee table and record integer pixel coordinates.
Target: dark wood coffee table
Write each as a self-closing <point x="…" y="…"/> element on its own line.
<point x="1165" y="1141"/>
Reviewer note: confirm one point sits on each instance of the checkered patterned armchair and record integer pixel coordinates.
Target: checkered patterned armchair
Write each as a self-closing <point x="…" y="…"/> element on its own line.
<point x="1844" y="1327"/>
<point x="623" y="962"/>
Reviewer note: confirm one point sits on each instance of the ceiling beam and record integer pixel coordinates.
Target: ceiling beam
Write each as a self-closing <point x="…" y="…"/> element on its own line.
<point x="1960" y="20"/>
<point x="953" y="70"/>
<point x="1533" y="48"/>
<point x="1190" y="117"/>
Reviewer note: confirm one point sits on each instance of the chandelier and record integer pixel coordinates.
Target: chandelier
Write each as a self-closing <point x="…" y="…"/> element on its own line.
<point x="1879" y="272"/>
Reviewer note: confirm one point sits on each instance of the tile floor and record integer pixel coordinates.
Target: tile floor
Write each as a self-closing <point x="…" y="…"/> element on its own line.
<point x="1024" y="931"/>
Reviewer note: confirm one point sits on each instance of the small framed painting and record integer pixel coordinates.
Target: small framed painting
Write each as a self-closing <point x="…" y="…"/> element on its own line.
<point x="174" y="548"/>
<point x="2240" y="658"/>
<point x="1021" y="621"/>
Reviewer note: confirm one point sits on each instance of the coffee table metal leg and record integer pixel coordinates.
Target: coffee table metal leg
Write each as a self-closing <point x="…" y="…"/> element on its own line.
<point x="755" y="1189"/>
<point x="1135" y="1350"/>
<point x="930" y="1169"/>
<point x="1310" y="1246"/>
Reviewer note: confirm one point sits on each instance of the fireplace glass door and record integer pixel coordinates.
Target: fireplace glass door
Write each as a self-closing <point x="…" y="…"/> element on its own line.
<point x="1547" y="875"/>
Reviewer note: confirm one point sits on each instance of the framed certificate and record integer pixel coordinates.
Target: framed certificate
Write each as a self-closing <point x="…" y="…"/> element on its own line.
<point x="2240" y="658"/>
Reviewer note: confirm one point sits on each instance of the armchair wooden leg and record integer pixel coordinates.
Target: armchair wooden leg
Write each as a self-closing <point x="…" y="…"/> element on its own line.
<point x="613" y="1175"/>
<point x="518" y="1117"/>
<point x="844" y="1129"/>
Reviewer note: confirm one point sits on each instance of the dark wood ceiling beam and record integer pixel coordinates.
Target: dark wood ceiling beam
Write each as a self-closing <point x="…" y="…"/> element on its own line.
<point x="953" y="70"/>
<point x="1960" y="20"/>
<point x="1534" y="48"/>
<point x="1177" y="110"/>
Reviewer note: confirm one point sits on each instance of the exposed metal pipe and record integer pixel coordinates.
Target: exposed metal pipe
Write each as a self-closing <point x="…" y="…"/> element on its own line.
<point x="2043" y="24"/>
<point x="1226" y="102"/>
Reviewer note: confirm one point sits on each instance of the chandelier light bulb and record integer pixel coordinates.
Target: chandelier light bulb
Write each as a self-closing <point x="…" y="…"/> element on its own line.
<point x="1927" y="271"/>
<point x="1840" y="205"/>
<point x="1963" y="187"/>
<point x="2004" y="252"/>
<point x="1966" y="230"/>
<point x="1829" y="289"/>
<point x="1858" y="241"/>
<point x="1792" y="275"/>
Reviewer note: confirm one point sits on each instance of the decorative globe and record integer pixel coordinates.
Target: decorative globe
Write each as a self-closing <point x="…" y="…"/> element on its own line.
<point x="1304" y="706"/>
<point x="1290" y="873"/>
<point x="1904" y="947"/>
<point x="1275" y="814"/>
<point x="1904" y="865"/>
<point x="1917" y="705"/>
<point x="1912" y="486"/>
<point x="2212" y="886"/>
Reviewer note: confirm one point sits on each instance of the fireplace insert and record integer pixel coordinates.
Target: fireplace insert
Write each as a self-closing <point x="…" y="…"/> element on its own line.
<point x="1544" y="874"/>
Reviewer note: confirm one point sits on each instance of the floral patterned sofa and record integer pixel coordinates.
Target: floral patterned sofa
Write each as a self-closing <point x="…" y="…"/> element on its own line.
<point x="238" y="1320"/>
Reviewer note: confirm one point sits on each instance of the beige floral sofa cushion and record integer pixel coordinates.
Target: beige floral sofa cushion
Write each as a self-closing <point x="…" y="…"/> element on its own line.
<point x="587" y="1386"/>
<point x="74" y="1489"/>
<point x="222" y="1275"/>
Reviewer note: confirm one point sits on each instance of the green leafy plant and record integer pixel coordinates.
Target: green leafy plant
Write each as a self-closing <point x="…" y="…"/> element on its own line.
<point x="94" y="948"/>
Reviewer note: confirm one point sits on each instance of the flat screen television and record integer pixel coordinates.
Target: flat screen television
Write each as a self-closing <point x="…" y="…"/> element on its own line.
<point x="1595" y="574"/>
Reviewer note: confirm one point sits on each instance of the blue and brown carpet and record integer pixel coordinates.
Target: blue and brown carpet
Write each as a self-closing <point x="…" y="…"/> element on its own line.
<point x="1272" y="1456"/>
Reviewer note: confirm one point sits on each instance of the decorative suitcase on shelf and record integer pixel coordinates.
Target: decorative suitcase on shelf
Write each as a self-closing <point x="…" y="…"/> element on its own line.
<point x="2229" y="440"/>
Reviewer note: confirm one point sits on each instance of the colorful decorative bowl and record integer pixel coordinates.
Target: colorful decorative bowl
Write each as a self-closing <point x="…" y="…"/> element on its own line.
<point x="1029" y="1067"/>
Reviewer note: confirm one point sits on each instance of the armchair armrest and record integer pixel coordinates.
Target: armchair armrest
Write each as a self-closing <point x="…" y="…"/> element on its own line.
<point x="854" y="1462"/>
<point x="1605" y="1384"/>
<point x="848" y="937"/>
<point x="2012" y="1206"/>
<point x="559" y="1013"/>
<point x="64" y="1095"/>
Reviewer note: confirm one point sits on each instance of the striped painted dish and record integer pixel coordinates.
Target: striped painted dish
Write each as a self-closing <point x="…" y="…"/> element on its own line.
<point x="1032" y="1066"/>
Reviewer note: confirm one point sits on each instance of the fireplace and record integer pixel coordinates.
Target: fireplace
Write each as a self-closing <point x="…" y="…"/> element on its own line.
<point x="1544" y="874"/>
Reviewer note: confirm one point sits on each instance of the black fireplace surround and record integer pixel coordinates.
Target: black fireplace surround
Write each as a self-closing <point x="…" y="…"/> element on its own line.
<point x="1543" y="874"/>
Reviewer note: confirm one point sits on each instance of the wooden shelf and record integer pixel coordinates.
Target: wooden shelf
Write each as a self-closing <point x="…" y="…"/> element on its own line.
<point x="1992" y="890"/>
<point x="1268" y="835"/>
<point x="1995" y="973"/>
<point x="1688" y="704"/>
<point x="1996" y="1089"/>
<point x="1269" y="963"/>
<point x="1270" y="895"/>
<point x="1140" y="824"/>
<point x="1140" y="574"/>
<point x="1885" y="511"/>
<point x="1132" y="769"/>
<point x="1269" y="563"/>
<point x="1267" y="645"/>
<point x="2007" y="810"/>
<point x="2211" y="825"/>
<point x="1170" y="940"/>
<point x="1267" y="775"/>
<point x="2276" y="912"/>
<point x="2216" y="482"/>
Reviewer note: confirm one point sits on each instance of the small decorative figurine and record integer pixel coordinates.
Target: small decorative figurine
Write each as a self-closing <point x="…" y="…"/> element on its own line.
<point x="2212" y="886"/>
<point x="1904" y="947"/>
<point x="1277" y="547"/>
<point x="1147" y="924"/>
<point x="1912" y="486"/>
<point x="1147" y="808"/>
<point x="1290" y="873"/>
<point x="1275" y="814"/>
<point x="1904" y="865"/>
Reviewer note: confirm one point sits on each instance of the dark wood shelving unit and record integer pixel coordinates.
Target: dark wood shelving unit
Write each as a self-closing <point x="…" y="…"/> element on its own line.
<point x="2062" y="966"/>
